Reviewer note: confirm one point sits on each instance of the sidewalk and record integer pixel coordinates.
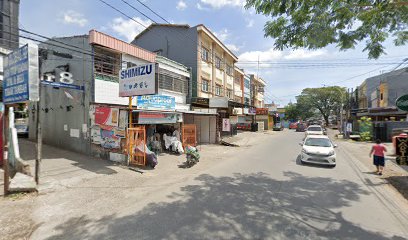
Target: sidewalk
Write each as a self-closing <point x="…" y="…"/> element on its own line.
<point x="245" y="138"/>
<point x="69" y="179"/>
<point x="393" y="173"/>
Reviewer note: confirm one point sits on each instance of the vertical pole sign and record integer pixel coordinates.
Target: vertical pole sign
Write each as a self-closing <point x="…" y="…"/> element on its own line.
<point x="137" y="81"/>
<point x="21" y="79"/>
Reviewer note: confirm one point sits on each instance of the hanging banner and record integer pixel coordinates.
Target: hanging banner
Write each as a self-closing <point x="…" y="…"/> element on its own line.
<point x="156" y="102"/>
<point x="21" y="82"/>
<point x="137" y="81"/>
<point x="107" y="116"/>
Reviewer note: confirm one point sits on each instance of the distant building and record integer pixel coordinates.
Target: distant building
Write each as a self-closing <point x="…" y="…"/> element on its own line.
<point x="9" y="23"/>
<point x="258" y="89"/>
<point x="376" y="98"/>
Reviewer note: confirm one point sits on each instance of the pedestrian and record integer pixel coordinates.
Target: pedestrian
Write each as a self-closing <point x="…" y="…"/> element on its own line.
<point x="379" y="161"/>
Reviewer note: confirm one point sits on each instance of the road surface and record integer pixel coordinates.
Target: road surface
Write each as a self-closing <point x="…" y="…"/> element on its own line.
<point x="261" y="192"/>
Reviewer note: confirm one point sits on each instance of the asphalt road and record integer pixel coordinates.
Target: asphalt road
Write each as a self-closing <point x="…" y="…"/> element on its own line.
<point x="263" y="192"/>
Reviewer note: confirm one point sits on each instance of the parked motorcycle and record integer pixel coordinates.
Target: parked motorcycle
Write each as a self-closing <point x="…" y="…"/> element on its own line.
<point x="192" y="156"/>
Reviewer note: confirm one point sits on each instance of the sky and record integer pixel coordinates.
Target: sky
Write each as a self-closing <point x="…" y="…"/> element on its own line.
<point x="286" y="72"/>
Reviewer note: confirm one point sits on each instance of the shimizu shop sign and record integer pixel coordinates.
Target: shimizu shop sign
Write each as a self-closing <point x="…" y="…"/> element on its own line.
<point x="402" y="103"/>
<point x="137" y="81"/>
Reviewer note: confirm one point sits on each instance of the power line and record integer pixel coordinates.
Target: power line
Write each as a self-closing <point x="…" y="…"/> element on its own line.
<point x="153" y="11"/>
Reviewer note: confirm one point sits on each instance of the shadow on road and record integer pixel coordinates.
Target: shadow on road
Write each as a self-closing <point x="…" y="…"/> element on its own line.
<point x="400" y="183"/>
<point x="253" y="206"/>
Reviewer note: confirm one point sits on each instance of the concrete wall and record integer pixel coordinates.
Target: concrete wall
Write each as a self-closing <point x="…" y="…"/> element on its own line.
<point x="176" y="43"/>
<point x="65" y="111"/>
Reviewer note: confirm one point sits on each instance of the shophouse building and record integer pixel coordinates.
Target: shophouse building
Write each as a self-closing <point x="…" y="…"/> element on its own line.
<point x="211" y="62"/>
<point x="80" y="105"/>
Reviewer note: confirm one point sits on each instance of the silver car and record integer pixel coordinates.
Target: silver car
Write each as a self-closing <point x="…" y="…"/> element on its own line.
<point x="314" y="130"/>
<point x="318" y="149"/>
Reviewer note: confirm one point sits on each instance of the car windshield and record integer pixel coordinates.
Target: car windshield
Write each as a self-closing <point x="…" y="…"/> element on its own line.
<point x="318" y="142"/>
<point x="314" y="129"/>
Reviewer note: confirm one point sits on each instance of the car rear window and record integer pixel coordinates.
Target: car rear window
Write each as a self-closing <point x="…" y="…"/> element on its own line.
<point x="314" y="129"/>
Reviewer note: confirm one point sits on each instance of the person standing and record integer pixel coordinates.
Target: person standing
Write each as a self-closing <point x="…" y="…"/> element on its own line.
<point x="379" y="160"/>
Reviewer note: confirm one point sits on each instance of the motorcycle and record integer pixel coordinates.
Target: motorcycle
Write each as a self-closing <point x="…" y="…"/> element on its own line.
<point x="192" y="156"/>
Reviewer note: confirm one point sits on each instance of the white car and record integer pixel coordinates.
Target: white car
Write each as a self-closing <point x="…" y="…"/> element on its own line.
<point x="318" y="149"/>
<point x="314" y="130"/>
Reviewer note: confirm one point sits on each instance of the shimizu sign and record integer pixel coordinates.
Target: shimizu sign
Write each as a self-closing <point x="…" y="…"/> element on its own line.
<point x="402" y="103"/>
<point x="137" y="81"/>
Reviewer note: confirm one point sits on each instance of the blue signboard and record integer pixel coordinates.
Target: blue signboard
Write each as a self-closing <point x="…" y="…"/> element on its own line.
<point x="62" y="85"/>
<point x="156" y="102"/>
<point x="21" y="82"/>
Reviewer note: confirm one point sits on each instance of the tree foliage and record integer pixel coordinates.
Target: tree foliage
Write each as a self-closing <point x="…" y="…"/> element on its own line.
<point x="298" y="111"/>
<point x="324" y="99"/>
<point x="315" y="24"/>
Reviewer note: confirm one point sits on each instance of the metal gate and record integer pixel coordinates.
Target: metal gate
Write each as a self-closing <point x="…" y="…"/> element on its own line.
<point x="136" y="137"/>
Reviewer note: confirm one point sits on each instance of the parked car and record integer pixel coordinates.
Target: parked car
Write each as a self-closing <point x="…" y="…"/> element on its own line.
<point x="293" y="125"/>
<point x="300" y="127"/>
<point x="318" y="149"/>
<point x="314" y="130"/>
<point x="21" y="122"/>
<point x="278" y="126"/>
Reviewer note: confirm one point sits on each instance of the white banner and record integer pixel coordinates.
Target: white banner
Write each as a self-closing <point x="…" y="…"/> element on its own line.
<point x="137" y="81"/>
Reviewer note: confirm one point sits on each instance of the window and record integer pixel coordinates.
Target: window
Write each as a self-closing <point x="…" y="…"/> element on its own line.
<point x="107" y="62"/>
<point x="229" y="70"/>
<point x="218" y="62"/>
<point x="205" y="85"/>
<point x="229" y="93"/>
<point x="205" y="54"/>
<point x="218" y="90"/>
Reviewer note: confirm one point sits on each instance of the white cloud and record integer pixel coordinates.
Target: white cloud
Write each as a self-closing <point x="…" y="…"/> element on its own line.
<point x="223" y="3"/>
<point x="129" y="28"/>
<point x="232" y="47"/>
<point x="252" y="56"/>
<point x="274" y="55"/>
<point x="73" y="17"/>
<point x="250" y="22"/>
<point x="222" y="35"/>
<point x="181" y="5"/>
<point x="304" y="54"/>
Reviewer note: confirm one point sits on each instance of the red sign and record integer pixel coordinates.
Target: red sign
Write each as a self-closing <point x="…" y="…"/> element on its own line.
<point x="106" y="116"/>
<point x="261" y="111"/>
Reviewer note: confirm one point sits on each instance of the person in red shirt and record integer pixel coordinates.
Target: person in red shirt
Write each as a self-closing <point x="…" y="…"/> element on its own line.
<point x="379" y="161"/>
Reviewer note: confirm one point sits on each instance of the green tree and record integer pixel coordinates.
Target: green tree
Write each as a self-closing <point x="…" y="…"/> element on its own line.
<point x="297" y="111"/>
<point x="315" y="24"/>
<point x="324" y="99"/>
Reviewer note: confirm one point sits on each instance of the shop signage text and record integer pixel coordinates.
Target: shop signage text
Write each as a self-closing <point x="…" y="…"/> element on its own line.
<point x="156" y="102"/>
<point x="402" y="103"/>
<point x="262" y="111"/>
<point x="21" y="81"/>
<point x="137" y="81"/>
<point x="65" y="81"/>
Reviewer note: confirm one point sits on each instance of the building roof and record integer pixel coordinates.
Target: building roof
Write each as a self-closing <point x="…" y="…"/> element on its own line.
<point x="161" y="25"/>
<point x="186" y="26"/>
<point x="105" y="40"/>
<point x="216" y="39"/>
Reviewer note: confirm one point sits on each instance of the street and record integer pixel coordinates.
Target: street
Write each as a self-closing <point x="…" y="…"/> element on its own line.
<point x="260" y="192"/>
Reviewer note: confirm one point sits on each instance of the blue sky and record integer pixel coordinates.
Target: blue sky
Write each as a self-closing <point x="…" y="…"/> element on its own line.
<point x="240" y="29"/>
